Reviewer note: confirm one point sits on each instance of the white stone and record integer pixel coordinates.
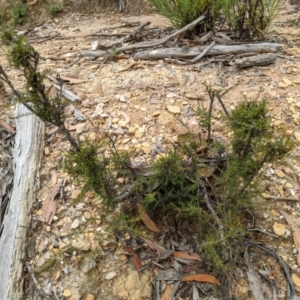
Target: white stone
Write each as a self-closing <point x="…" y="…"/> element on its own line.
<point x="75" y="224"/>
<point x="110" y="275"/>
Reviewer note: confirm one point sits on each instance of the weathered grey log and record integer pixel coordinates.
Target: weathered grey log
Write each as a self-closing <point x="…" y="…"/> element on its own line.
<point x="258" y="60"/>
<point x="216" y="50"/>
<point x="198" y="57"/>
<point x="27" y="156"/>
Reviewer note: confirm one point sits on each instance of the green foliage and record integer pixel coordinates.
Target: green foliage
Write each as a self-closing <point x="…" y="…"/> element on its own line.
<point x="254" y="142"/>
<point x="248" y="19"/>
<point x="97" y="171"/>
<point x="93" y="168"/>
<point x="204" y="118"/>
<point x="183" y="12"/>
<point x="213" y="187"/>
<point x="112" y="54"/>
<point x="4" y="14"/>
<point x="220" y="198"/>
<point x="54" y="9"/>
<point x="24" y="57"/>
<point x="18" y="12"/>
<point x="177" y="186"/>
<point x="7" y="36"/>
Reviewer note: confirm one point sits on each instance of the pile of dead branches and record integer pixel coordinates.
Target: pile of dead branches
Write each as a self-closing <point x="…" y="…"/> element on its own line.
<point x="176" y="49"/>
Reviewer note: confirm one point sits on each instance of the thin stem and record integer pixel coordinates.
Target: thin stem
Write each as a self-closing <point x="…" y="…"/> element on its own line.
<point x="9" y="83"/>
<point x="222" y="104"/>
<point x="211" y="96"/>
<point x="70" y="138"/>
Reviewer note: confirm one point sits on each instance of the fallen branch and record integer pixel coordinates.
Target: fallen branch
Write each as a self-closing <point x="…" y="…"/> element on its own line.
<point x="145" y="45"/>
<point x="279" y="198"/>
<point x="216" y="50"/>
<point x="64" y="92"/>
<point x="197" y="58"/>
<point x="124" y="39"/>
<point x="223" y="41"/>
<point x="206" y="37"/>
<point x="258" y="60"/>
<point x="296" y="232"/>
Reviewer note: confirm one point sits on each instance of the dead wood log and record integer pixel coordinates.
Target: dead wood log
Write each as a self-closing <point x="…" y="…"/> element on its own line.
<point x="216" y="50"/>
<point x="198" y="57"/>
<point x="27" y="156"/>
<point x="124" y="39"/>
<point x="296" y="232"/>
<point x="205" y="38"/>
<point x="258" y="60"/>
<point x="144" y="45"/>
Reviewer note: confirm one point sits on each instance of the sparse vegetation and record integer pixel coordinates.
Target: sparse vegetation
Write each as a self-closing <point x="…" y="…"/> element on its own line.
<point x="216" y="190"/>
<point x="183" y="12"/>
<point x="200" y="181"/>
<point x="18" y="12"/>
<point x="55" y="9"/>
<point x="248" y="19"/>
<point x="36" y="98"/>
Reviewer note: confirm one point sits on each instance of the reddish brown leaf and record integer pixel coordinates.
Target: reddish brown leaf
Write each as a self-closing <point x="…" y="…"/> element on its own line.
<point x="146" y="219"/>
<point x="167" y="293"/>
<point x="136" y="262"/>
<point x="135" y="258"/>
<point x="186" y="255"/>
<point x="49" y="206"/>
<point x="202" y="278"/>
<point x="128" y="249"/>
<point x="72" y="80"/>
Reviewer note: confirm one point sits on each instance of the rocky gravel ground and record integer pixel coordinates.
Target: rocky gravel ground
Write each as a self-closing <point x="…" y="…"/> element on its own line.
<point x="143" y="105"/>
